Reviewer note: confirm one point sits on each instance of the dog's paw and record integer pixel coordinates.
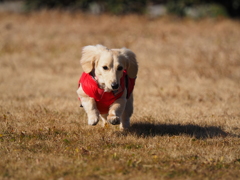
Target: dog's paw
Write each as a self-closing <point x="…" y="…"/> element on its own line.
<point x="125" y="126"/>
<point x="114" y="120"/>
<point x="93" y="120"/>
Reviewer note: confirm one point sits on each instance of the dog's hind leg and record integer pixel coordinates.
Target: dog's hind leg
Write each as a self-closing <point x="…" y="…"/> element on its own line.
<point x="116" y="110"/>
<point x="125" y="120"/>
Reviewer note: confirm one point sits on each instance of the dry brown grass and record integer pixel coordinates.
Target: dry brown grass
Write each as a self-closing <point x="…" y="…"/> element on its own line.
<point x="186" y="123"/>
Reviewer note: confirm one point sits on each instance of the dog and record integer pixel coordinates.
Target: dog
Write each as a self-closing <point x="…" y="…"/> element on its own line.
<point x="106" y="84"/>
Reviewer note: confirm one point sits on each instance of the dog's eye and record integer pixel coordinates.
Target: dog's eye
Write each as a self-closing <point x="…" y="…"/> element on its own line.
<point x="120" y="68"/>
<point x="105" y="67"/>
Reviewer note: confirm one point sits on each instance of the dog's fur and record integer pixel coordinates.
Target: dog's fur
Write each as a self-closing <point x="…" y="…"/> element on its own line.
<point x="107" y="65"/>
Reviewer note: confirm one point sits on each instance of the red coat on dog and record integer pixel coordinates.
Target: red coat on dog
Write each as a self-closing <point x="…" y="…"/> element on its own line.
<point x="105" y="99"/>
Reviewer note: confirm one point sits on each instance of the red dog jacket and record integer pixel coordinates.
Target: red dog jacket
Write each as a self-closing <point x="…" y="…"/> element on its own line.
<point x="105" y="99"/>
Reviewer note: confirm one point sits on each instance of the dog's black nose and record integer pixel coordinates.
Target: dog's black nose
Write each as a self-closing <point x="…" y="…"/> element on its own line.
<point x="114" y="85"/>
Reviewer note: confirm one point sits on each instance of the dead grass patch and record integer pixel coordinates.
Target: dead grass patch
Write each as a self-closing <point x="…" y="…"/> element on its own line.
<point x="186" y="119"/>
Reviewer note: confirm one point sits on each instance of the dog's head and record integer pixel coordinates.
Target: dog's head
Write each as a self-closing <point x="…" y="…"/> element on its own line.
<point x="107" y="65"/>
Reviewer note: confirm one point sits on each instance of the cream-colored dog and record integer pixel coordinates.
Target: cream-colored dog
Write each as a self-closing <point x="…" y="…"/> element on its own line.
<point x="106" y="84"/>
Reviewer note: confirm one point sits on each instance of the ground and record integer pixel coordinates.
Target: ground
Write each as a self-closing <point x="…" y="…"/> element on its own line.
<point x="186" y="118"/>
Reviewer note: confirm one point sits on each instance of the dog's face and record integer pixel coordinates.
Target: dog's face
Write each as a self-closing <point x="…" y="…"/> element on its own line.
<point x="107" y="65"/>
<point x="109" y="70"/>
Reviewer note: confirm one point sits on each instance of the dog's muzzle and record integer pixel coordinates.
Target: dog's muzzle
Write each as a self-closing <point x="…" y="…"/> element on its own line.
<point x="115" y="86"/>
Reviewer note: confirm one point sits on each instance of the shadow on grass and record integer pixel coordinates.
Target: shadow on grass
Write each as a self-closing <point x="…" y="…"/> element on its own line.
<point x="150" y="130"/>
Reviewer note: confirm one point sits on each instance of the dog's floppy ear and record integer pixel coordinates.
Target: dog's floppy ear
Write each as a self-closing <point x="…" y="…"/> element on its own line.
<point x="90" y="54"/>
<point x="131" y="62"/>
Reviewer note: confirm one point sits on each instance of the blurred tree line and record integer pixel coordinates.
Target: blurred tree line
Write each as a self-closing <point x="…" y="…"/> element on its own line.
<point x="219" y="7"/>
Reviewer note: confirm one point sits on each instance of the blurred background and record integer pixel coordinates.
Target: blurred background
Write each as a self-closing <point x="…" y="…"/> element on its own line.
<point x="152" y="8"/>
<point x="187" y="92"/>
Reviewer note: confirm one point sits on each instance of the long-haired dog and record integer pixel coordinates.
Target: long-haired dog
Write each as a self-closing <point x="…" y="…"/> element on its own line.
<point x="106" y="85"/>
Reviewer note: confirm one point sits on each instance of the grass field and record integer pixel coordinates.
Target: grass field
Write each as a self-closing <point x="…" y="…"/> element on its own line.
<point x="186" y="122"/>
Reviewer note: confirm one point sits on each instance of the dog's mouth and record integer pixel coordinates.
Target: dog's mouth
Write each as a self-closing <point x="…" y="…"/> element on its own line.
<point x="108" y="87"/>
<point x="111" y="89"/>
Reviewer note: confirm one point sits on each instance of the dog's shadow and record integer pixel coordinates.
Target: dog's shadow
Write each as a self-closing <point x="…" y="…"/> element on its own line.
<point x="196" y="131"/>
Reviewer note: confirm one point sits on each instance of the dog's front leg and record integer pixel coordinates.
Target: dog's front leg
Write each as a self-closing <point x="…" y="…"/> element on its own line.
<point x="89" y="106"/>
<point x="116" y="110"/>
